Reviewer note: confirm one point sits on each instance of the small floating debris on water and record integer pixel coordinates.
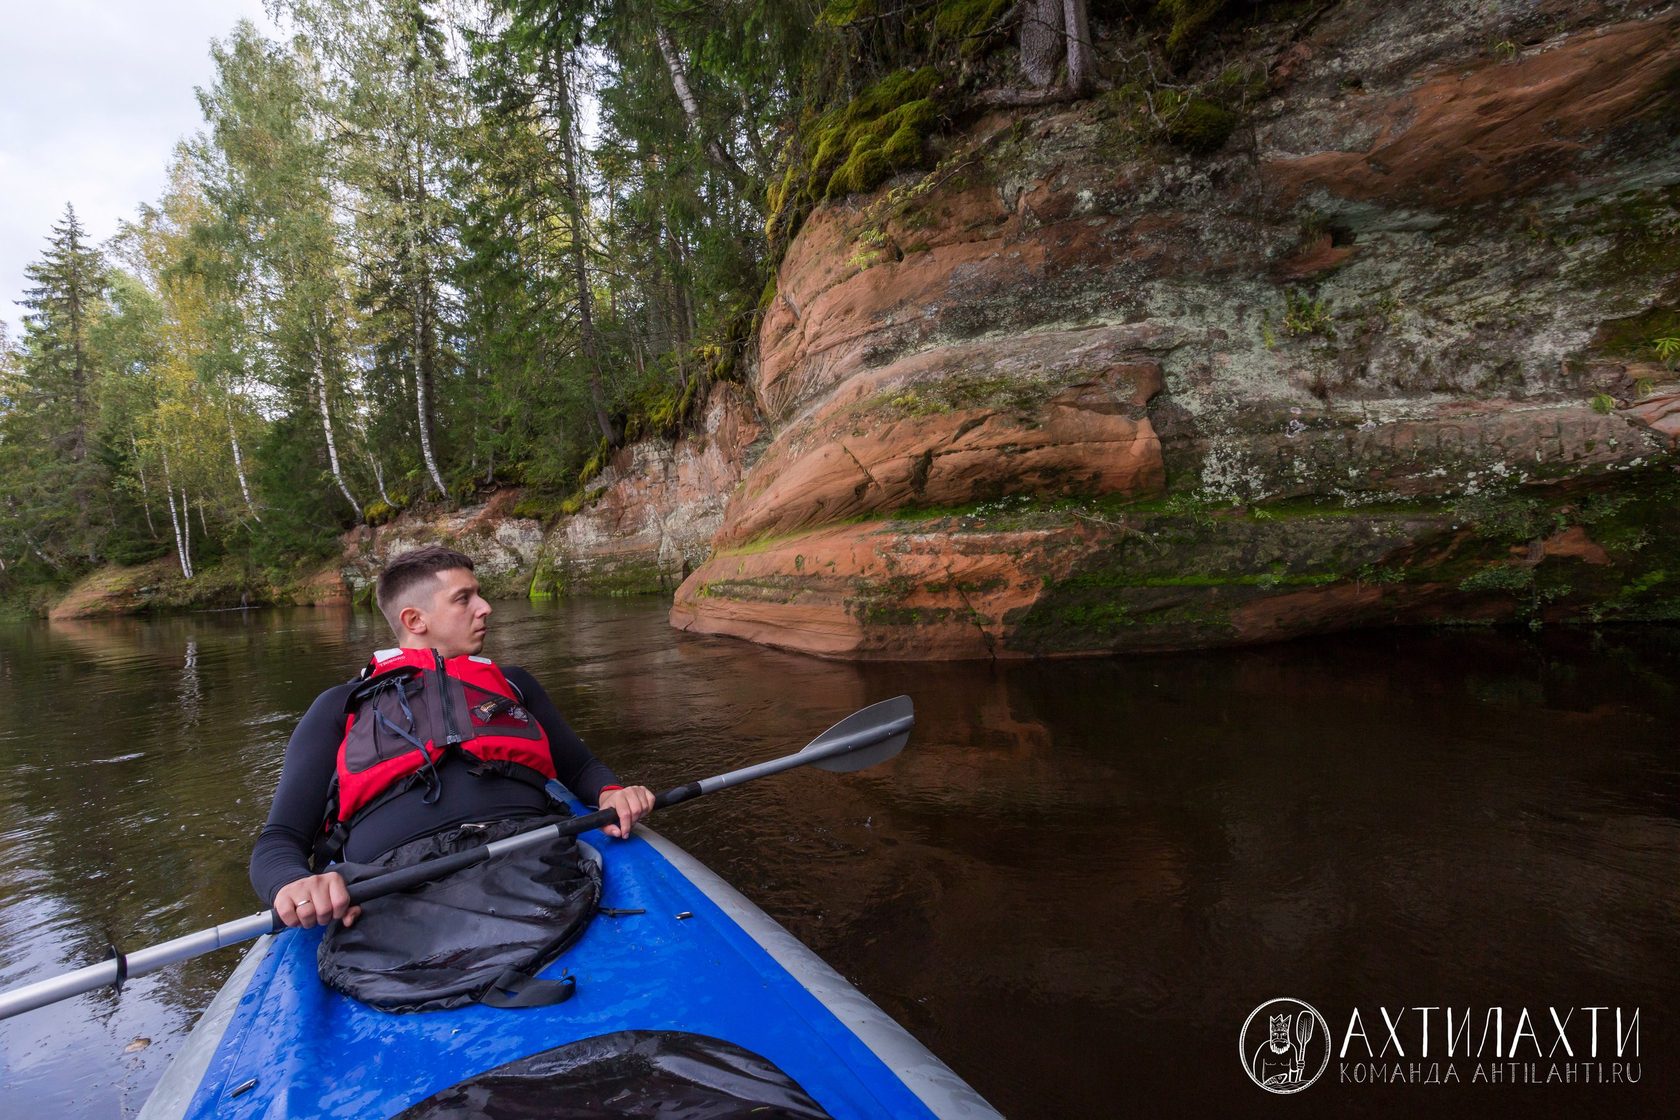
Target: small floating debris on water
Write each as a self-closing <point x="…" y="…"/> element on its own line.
<point x="139" y="1044"/>
<point x="118" y="758"/>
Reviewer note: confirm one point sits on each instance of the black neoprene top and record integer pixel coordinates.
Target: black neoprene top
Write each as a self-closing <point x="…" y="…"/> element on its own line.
<point x="281" y="854"/>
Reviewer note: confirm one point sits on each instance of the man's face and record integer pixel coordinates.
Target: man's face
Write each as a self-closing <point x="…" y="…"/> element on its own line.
<point x="457" y="616"/>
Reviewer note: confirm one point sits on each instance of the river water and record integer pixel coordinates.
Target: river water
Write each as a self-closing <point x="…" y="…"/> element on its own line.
<point x="1074" y="885"/>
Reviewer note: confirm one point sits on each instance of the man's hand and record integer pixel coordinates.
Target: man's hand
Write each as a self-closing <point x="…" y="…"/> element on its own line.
<point x="316" y="900"/>
<point x="632" y="804"/>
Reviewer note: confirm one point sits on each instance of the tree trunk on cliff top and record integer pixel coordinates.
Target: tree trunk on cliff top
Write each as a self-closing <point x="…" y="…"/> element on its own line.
<point x="1077" y="27"/>
<point x="691" y="109"/>
<point x="1043" y="40"/>
<point x="422" y="387"/>
<point x="1055" y="36"/>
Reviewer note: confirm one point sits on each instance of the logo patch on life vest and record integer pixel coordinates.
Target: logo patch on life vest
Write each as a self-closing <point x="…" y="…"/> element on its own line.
<point x="499" y="705"/>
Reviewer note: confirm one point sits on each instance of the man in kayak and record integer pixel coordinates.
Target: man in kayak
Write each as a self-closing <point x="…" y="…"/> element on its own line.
<point x="366" y="764"/>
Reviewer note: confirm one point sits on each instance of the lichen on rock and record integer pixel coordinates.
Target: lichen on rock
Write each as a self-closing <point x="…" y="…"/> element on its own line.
<point x="1399" y="287"/>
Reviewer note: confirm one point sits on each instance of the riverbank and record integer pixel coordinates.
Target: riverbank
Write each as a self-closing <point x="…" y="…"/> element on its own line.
<point x="1085" y="388"/>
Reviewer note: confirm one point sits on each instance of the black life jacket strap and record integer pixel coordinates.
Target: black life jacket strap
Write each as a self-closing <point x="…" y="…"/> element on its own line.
<point x="514" y="988"/>
<point x="335" y="833"/>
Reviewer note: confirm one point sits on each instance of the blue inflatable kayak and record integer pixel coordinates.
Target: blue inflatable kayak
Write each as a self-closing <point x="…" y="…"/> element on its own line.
<point x="698" y="1006"/>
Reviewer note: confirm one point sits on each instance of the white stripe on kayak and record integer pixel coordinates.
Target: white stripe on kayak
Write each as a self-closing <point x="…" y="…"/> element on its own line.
<point x="946" y="1095"/>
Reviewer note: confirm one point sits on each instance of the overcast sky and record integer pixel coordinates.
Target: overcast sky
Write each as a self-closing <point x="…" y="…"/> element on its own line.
<point x="93" y="96"/>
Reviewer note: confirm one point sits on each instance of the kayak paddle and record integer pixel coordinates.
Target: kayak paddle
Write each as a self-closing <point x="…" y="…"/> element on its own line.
<point x="864" y="738"/>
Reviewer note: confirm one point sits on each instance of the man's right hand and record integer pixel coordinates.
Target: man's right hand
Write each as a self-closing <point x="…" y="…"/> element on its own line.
<point x="316" y="900"/>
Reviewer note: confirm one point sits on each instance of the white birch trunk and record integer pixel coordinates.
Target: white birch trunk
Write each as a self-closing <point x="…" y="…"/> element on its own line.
<point x="174" y="519"/>
<point x="145" y="491"/>
<point x="239" y="467"/>
<point x="326" y="427"/>
<point x="186" y="533"/>
<point x="378" y="477"/>
<point x="691" y="109"/>
<point x="422" y="398"/>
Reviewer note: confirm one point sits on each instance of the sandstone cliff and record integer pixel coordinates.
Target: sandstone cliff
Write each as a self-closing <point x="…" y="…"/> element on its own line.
<point x="1384" y="354"/>
<point x="1381" y="357"/>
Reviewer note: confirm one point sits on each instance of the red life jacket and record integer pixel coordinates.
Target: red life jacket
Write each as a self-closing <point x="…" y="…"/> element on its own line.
<point x="413" y="708"/>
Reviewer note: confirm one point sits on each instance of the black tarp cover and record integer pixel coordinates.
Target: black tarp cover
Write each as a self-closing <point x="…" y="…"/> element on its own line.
<point x="666" y="1075"/>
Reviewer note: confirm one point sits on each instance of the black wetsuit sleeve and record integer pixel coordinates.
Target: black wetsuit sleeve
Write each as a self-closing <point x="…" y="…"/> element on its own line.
<point x="576" y="766"/>
<point x="282" y="851"/>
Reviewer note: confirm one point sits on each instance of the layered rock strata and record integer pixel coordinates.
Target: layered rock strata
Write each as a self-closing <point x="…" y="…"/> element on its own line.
<point x="1375" y="361"/>
<point x="651" y="515"/>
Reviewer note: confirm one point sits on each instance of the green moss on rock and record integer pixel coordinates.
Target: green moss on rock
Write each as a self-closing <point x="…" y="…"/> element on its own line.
<point x="1200" y="126"/>
<point x="856" y="147"/>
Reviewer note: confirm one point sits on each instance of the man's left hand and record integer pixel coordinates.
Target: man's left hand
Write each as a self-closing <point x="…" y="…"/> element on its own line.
<point x="632" y="803"/>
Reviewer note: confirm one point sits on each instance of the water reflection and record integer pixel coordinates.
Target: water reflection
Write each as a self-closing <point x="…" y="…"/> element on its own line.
<point x="1094" y="868"/>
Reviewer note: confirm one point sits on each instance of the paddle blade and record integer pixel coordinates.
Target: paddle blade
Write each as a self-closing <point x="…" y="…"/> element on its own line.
<point x="890" y="719"/>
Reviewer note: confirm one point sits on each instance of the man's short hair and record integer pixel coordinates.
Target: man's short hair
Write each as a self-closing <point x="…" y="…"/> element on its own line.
<point x="410" y="570"/>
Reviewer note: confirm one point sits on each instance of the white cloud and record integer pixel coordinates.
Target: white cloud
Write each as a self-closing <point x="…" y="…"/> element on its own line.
<point x="94" y="95"/>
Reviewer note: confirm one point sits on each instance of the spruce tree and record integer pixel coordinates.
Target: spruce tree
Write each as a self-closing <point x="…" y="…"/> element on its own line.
<point x="57" y="487"/>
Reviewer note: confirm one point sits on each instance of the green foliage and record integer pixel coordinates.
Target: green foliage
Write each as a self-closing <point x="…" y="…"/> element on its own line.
<point x="379" y="511"/>
<point x="1196" y="124"/>
<point x="1187" y="20"/>
<point x="969" y="21"/>
<point x="1638" y="337"/>
<point x="1667" y="350"/>
<point x="1499" y="577"/>
<point x="1603" y="404"/>
<point x="1502" y="517"/>
<point x="538" y="505"/>
<point x="58" y="505"/>
<point x="1305" y="315"/>
<point x="856" y="146"/>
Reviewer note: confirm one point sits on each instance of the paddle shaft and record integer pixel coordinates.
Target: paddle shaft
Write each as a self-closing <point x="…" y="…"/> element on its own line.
<point x="409" y="877"/>
<point x="116" y="970"/>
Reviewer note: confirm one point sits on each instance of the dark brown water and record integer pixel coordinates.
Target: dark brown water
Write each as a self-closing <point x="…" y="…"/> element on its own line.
<point x="1074" y="885"/>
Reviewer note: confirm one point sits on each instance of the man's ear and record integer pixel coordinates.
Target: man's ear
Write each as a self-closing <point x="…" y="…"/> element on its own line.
<point x="413" y="620"/>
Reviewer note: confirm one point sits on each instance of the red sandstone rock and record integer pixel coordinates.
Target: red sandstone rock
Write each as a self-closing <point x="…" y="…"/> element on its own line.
<point x="1659" y="412"/>
<point x="1573" y="543"/>
<point x="918" y="357"/>
<point x="658" y="504"/>
<point x="906" y="435"/>
<point x="1499" y="129"/>
<point x="847" y="591"/>
<point x="1315" y="259"/>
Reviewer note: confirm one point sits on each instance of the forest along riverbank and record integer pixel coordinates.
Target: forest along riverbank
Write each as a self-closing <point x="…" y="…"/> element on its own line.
<point x="1043" y="331"/>
<point x="1096" y="867"/>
